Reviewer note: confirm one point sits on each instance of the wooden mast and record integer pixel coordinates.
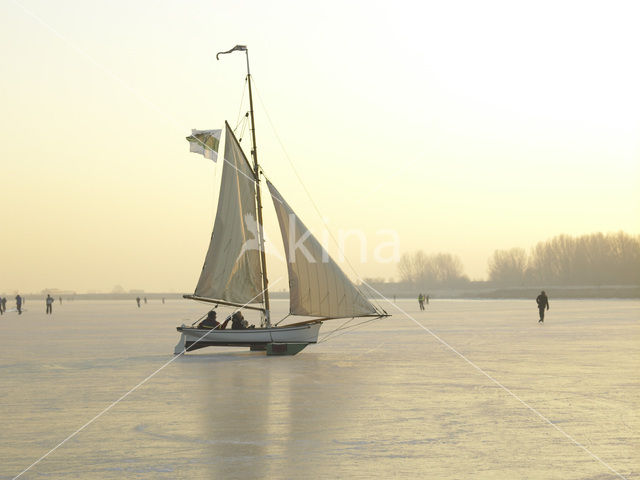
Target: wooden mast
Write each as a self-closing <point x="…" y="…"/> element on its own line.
<point x="256" y="171"/>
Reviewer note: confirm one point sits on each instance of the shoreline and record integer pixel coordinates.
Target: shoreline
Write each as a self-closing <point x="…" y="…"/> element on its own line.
<point x="631" y="292"/>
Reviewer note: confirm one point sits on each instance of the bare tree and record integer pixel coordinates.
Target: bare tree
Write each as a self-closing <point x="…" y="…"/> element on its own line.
<point x="431" y="270"/>
<point x="508" y="266"/>
<point x="405" y="268"/>
<point x="595" y="259"/>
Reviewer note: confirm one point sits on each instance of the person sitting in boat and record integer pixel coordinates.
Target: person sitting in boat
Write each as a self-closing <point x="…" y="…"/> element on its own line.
<point x="237" y="321"/>
<point x="211" y="322"/>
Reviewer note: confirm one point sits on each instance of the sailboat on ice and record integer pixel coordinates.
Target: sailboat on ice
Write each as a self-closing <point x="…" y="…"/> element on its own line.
<point x="235" y="269"/>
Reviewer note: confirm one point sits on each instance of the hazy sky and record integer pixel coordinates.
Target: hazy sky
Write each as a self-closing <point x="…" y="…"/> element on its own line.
<point x="465" y="127"/>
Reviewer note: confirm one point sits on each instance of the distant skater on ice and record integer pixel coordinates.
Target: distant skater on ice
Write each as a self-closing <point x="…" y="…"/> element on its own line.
<point x="49" y="302"/>
<point x="19" y="304"/>
<point x="543" y="302"/>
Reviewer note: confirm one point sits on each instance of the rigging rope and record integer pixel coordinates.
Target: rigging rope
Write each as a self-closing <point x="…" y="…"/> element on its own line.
<point x="242" y="123"/>
<point x="200" y="319"/>
<point x="345" y="329"/>
<point x="315" y="206"/>
<point x="279" y="322"/>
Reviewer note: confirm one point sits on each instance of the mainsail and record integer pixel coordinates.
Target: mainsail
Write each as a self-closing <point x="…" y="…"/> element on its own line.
<point x="317" y="285"/>
<point x="231" y="270"/>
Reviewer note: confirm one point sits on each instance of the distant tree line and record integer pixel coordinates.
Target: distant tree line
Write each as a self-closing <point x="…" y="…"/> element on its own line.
<point x="595" y="259"/>
<point x="439" y="269"/>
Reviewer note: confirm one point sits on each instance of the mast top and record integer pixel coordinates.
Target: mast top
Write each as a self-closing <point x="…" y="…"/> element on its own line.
<point x="237" y="48"/>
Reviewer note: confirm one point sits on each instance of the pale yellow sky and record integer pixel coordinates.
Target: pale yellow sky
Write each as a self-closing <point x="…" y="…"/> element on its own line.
<point x="465" y="127"/>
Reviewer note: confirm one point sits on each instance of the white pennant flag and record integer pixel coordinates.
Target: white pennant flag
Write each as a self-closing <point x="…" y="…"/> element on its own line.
<point x="205" y="142"/>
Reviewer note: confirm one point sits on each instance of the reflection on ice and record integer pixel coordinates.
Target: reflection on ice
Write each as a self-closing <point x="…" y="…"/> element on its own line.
<point x="387" y="400"/>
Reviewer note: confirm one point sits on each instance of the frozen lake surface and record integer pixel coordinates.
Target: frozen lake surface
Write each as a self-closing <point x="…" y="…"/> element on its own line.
<point x="388" y="400"/>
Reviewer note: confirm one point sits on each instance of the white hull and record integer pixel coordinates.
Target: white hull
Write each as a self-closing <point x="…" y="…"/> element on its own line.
<point x="194" y="338"/>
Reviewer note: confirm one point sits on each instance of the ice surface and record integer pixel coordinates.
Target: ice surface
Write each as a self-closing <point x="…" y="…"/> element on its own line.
<point x="384" y="401"/>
